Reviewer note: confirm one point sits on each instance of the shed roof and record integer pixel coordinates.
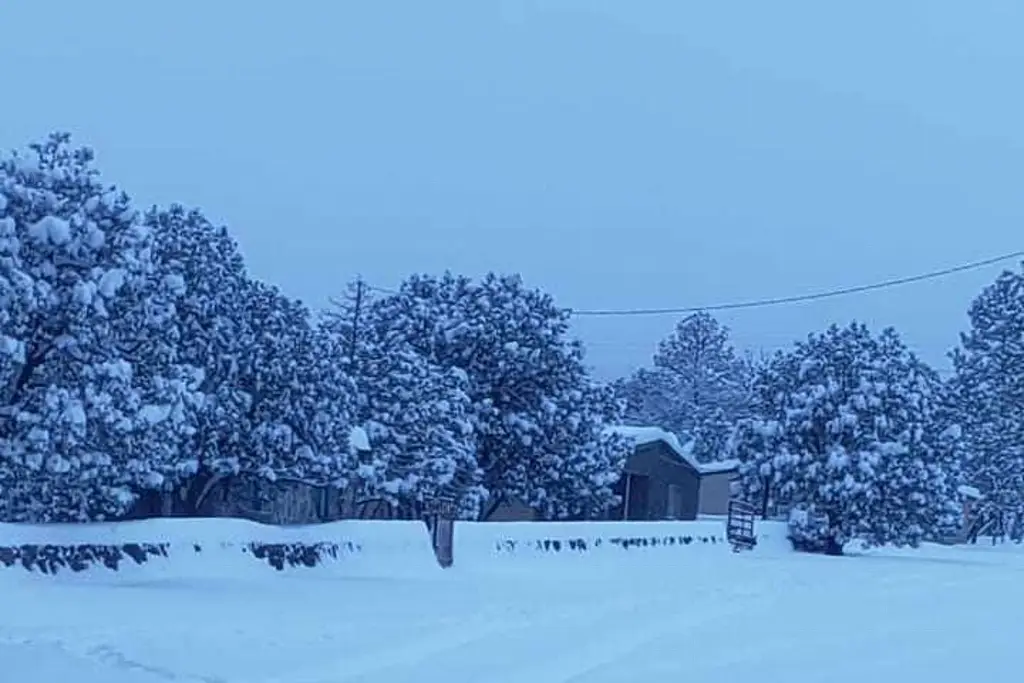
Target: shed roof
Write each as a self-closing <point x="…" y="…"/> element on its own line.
<point x="719" y="466"/>
<point x="639" y="436"/>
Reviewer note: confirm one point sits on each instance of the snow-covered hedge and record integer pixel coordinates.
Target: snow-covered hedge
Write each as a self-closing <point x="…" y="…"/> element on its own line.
<point x="487" y="544"/>
<point x="205" y="547"/>
<point x="229" y="548"/>
<point x="50" y="559"/>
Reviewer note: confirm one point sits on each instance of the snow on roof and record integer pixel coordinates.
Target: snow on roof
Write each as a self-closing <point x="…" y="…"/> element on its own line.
<point x="645" y="435"/>
<point x="719" y="466"/>
<point x="969" y="492"/>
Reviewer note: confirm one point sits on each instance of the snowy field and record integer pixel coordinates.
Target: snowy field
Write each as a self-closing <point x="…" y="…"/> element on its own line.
<point x="934" y="614"/>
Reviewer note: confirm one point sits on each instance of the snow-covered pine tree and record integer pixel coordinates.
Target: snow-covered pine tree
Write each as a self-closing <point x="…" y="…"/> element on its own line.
<point x="989" y="387"/>
<point x="582" y="459"/>
<point x="274" y="402"/>
<point x="698" y="388"/>
<point x="210" y="333"/>
<point x="512" y="344"/>
<point x="855" y="427"/>
<point x="93" y="405"/>
<point x="293" y="402"/>
<point x="921" y="447"/>
<point x="764" y="463"/>
<point x="416" y="413"/>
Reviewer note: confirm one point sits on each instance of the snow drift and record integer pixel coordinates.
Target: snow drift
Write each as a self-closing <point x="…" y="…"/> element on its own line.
<point x="232" y="548"/>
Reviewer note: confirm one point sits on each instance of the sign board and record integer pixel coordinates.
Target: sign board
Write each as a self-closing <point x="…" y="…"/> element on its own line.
<point x="739" y="528"/>
<point x="444" y="508"/>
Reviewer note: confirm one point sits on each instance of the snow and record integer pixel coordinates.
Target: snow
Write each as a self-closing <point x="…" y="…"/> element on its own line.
<point x="58" y="464"/>
<point x="52" y="229"/>
<point x="94" y="236"/>
<point x="176" y="284"/>
<point x="706" y="615"/>
<point x="111" y="281"/>
<point x="640" y="436"/>
<point x="75" y="413"/>
<point x="719" y="466"/>
<point x="358" y="439"/>
<point x="14" y="348"/>
<point x="154" y="414"/>
<point x="969" y="492"/>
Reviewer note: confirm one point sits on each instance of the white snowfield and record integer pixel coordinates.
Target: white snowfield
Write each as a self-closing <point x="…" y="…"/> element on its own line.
<point x="695" y="612"/>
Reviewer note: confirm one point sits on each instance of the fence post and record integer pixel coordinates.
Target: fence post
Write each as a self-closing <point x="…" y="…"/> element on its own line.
<point x="440" y="519"/>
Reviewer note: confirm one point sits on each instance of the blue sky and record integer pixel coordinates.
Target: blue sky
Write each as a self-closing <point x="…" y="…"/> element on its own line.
<point x="640" y="154"/>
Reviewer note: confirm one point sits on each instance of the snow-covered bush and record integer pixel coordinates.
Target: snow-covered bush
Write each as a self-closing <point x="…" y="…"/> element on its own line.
<point x="809" y="531"/>
<point x="854" y="426"/>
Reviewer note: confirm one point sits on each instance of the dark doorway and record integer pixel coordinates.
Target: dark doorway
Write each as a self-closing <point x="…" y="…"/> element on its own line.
<point x="638" y="488"/>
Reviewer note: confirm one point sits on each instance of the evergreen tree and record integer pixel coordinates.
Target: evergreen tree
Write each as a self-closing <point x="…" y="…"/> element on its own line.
<point x="94" y="406"/>
<point x="989" y="387"/>
<point x="698" y="387"/>
<point x="532" y="402"/>
<point x="272" y="406"/>
<point x="209" y="332"/>
<point x="765" y="462"/>
<point x="922" y="467"/>
<point x="292" y="402"/>
<point x="416" y="413"/>
<point x="581" y="459"/>
<point x="854" y="427"/>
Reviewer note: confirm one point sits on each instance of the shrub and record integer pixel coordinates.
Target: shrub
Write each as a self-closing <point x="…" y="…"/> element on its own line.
<point x="810" y="531"/>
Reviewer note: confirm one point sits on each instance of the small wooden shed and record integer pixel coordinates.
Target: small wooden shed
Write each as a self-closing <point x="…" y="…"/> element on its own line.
<point x="660" y="481"/>
<point x="718" y="485"/>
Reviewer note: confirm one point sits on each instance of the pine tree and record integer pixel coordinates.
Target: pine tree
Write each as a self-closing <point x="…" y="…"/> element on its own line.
<point x="272" y="406"/>
<point x="854" y="427"/>
<point x="209" y="331"/>
<point x="292" y="402"/>
<point x="582" y="460"/>
<point x="765" y="462"/>
<point x="417" y="414"/>
<point x="923" y="468"/>
<point x="989" y="387"/>
<point x="94" y="406"/>
<point x="698" y="387"/>
<point x="532" y="403"/>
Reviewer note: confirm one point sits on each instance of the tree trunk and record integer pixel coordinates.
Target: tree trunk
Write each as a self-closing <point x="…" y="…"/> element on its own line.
<point x="196" y="490"/>
<point x="764" y="499"/>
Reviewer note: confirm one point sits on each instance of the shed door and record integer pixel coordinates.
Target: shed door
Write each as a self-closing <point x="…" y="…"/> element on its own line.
<point x="675" y="502"/>
<point x="638" y="488"/>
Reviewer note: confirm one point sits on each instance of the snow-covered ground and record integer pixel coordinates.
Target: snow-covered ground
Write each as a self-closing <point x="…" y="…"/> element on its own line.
<point x="934" y="614"/>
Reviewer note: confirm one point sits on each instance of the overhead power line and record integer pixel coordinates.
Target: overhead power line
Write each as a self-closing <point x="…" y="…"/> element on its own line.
<point x="761" y="303"/>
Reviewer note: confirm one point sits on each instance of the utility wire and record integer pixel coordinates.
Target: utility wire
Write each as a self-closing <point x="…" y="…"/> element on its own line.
<point x="761" y="303"/>
<point x="777" y="301"/>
